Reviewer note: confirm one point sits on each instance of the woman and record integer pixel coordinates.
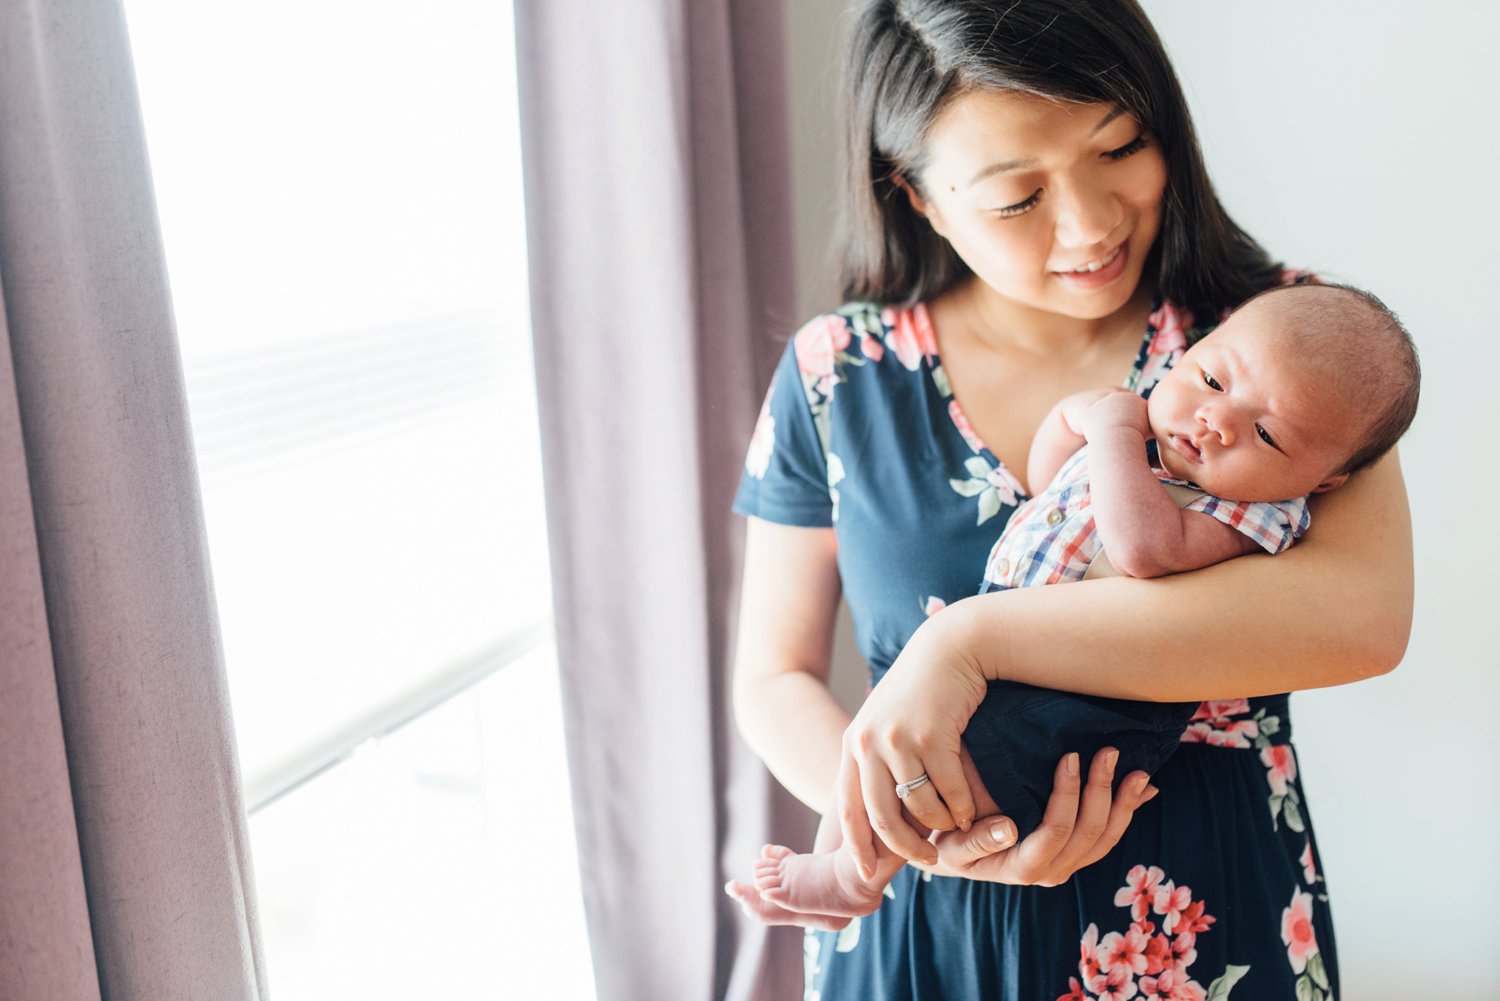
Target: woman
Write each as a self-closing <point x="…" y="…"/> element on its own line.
<point x="1027" y="209"/>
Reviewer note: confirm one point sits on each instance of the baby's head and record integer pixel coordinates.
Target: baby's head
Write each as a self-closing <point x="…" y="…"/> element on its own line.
<point x="1300" y="387"/>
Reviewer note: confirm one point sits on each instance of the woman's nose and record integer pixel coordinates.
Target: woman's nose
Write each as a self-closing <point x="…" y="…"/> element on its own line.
<point x="1086" y="216"/>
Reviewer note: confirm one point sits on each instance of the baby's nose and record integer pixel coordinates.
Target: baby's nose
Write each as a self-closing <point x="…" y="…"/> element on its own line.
<point x="1216" y="424"/>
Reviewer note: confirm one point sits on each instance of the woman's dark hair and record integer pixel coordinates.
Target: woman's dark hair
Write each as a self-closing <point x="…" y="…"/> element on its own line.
<point x="904" y="60"/>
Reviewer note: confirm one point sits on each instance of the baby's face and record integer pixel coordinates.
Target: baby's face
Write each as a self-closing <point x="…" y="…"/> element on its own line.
<point x="1238" y="417"/>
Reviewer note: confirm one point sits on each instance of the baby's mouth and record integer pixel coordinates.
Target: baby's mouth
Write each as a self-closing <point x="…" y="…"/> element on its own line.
<point x="1184" y="446"/>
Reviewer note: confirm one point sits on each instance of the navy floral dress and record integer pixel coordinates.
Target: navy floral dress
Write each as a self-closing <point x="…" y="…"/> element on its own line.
<point x="1214" y="891"/>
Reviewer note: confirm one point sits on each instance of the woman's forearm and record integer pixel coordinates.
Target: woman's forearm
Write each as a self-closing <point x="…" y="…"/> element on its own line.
<point x="795" y="725"/>
<point x="1335" y="608"/>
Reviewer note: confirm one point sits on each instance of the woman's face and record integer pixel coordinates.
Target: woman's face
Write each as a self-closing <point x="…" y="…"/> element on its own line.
<point x="1054" y="206"/>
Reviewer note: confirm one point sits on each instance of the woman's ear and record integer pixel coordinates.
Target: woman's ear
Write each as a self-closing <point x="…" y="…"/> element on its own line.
<point x="918" y="203"/>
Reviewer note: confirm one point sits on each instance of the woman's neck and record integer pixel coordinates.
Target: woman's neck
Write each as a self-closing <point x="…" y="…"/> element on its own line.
<point x="1004" y="325"/>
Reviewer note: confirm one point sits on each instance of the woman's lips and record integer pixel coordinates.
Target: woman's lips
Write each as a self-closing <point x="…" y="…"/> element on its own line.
<point x="1104" y="276"/>
<point x="1185" y="448"/>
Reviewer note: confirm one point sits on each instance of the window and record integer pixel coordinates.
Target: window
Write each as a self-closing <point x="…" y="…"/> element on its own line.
<point x="340" y="198"/>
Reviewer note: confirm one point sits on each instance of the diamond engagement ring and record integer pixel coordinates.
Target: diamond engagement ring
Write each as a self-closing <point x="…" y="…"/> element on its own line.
<point x="905" y="789"/>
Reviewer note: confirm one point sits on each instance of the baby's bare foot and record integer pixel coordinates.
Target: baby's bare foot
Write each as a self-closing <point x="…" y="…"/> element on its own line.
<point x="754" y="904"/>
<point x="827" y="883"/>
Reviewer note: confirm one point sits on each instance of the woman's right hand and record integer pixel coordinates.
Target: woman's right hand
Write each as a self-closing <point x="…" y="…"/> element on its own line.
<point x="1082" y="823"/>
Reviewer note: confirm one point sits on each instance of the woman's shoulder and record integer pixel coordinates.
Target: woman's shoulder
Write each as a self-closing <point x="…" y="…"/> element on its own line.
<point x="859" y="334"/>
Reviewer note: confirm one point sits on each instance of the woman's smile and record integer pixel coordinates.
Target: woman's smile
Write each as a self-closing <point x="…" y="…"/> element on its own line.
<point x="1099" y="272"/>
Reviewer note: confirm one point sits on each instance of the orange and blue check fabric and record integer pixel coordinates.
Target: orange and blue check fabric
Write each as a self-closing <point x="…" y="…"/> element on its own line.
<point x="1052" y="537"/>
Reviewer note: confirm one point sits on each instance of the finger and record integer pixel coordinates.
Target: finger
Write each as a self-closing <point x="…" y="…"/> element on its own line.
<point x="961" y="849"/>
<point x="1134" y="791"/>
<point x="1031" y="861"/>
<point x="1093" y="815"/>
<point x="884" y="811"/>
<point x="926" y="807"/>
<point x="947" y="774"/>
<point x="854" y="823"/>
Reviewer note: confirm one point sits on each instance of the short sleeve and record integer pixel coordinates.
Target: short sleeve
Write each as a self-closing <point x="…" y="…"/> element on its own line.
<point x="1274" y="525"/>
<point x="786" y="475"/>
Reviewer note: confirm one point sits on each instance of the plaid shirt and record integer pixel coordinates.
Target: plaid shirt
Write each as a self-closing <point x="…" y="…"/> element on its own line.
<point x="1052" y="537"/>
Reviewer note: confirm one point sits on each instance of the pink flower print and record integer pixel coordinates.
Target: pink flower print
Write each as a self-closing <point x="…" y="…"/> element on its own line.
<point x="1192" y="920"/>
<point x="818" y="343"/>
<point x="1158" y="954"/>
<point x="1184" y="951"/>
<point x="1003" y="484"/>
<point x="1075" y="991"/>
<point x="1172" y="325"/>
<point x="1219" y="708"/>
<point x="1088" y="948"/>
<point x="1236" y="734"/>
<point x="870" y="345"/>
<point x="1213" y="724"/>
<point x="1297" y="931"/>
<point x="1170" y="901"/>
<point x="1309" y="871"/>
<point x="1116" y="985"/>
<point x="1196" y="733"/>
<point x="1290" y="276"/>
<point x="1172" y="985"/>
<point x="1139" y="891"/>
<point x="762" y="442"/>
<point x="964" y="427"/>
<point x="910" y="335"/>
<point x="1128" y="950"/>
<point x="933" y="605"/>
<point x="1281" y="765"/>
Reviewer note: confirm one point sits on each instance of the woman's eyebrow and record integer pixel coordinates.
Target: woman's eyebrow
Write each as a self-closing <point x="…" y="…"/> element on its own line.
<point x="1116" y="113"/>
<point x="1004" y="165"/>
<point x="1000" y="168"/>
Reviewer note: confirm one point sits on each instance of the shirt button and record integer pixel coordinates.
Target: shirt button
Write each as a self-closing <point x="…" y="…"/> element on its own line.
<point x="1003" y="569"/>
<point x="1054" y="517"/>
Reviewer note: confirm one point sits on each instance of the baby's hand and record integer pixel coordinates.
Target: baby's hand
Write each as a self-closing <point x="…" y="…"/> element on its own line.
<point x="1075" y="406"/>
<point x="1122" y="409"/>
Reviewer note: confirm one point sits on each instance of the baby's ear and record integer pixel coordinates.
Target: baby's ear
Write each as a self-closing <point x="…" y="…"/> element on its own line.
<point x="1330" y="483"/>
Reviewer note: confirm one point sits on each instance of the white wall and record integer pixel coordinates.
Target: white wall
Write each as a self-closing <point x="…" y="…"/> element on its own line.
<point x="1360" y="139"/>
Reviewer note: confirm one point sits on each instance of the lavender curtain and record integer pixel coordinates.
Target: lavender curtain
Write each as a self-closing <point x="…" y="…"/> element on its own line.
<point x="656" y="159"/>
<point x="124" y="867"/>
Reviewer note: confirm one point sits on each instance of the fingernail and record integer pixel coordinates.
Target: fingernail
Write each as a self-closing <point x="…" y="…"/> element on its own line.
<point x="964" y="823"/>
<point x="1003" y="834"/>
<point x="1110" y="758"/>
<point x="1070" y="763"/>
<point x="1139" y="785"/>
<point x="1151" y="792"/>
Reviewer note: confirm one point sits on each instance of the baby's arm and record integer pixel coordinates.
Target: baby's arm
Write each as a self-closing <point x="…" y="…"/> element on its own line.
<point x="1140" y="526"/>
<point x="1060" y="435"/>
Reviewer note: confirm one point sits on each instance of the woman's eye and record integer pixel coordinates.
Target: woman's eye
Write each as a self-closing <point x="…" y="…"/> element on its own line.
<point x="1265" y="435"/>
<point x="1212" y="383"/>
<point x="1129" y="149"/>
<point x="1019" y="207"/>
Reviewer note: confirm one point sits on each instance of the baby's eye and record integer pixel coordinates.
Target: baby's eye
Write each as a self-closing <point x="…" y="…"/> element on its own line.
<point x="1212" y="383"/>
<point x="1265" y="435"/>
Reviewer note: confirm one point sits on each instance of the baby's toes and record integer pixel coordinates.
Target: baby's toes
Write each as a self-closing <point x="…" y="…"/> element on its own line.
<point x="769" y="881"/>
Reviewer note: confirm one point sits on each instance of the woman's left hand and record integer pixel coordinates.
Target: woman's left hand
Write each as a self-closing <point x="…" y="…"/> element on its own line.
<point x="1079" y="827"/>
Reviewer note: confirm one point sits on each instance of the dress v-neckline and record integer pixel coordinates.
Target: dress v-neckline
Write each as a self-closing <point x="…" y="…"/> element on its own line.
<point x="956" y="408"/>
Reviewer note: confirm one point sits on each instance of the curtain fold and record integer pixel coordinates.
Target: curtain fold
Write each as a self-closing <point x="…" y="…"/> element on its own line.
<point x="656" y="159"/>
<point x="123" y="847"/>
